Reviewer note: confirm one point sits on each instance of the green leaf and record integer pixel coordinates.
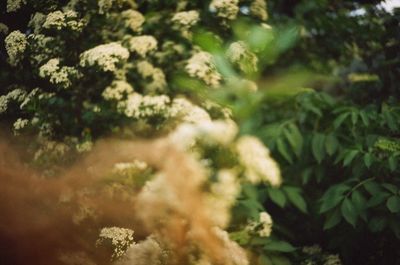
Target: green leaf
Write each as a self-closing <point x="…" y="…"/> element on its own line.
<point x="364" y="118"/>
<point x="280" y="260"/>
<point x="340" y="119"/>
<point x="279" y="246"/>
<point x="354" y="117"/>
<point x="331" y="144"/>
<point x="294" y="138"/>
<point x="332" y="197"/>
<point x="264" y="260"/>
<point x="368" y="159"/>
<point x="372" y="187"/>
<point x="349" y="212"/>
<point x="277" y="196"/>
<point x="392" y="163"/>
<point x="393" y="204"/>
<point x="350" y="155"/>
<point x="283" y="150"/>
<point x="390" y="187"/>
<point x="317" y="146"/>
<point x="358" y="201"/>
<point x="333" y="219"/>
<point x="295" y="198"/>
<point x="377" y="199"/>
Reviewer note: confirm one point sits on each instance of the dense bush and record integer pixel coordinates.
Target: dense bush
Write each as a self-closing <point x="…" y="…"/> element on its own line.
<point x="318" y="85"/>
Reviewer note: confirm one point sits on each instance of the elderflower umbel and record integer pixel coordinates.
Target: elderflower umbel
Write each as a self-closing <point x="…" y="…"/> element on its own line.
<point x="133" y="19"/>
<point x="201" y="65"/>
<point x="186" y="19"/>
<point x="146" y="252"/>
<point x="239" y="54"/>
<point x="16" y="44"/>
<point x="332" y="260"/>
<point x="142" y="44"/>
<point x="117" y="90"/>
<point x="106" y="56"/>
<point x="58" y="75"/>
<point x="188" y="112"/>
<point x="63" y="20"/>
<point x="138" y="106"/>
<point x="255" y="157"/>
<point x="227" y="9"/>
<point x="223" y="196"/>
<point x="121" y="239"/>
<point x="20" y="124"/>
<point x="258" y="8"/>
<point x="234" y="252"/>
<point x="3" y="28"/>
<point x="14" y="5"/>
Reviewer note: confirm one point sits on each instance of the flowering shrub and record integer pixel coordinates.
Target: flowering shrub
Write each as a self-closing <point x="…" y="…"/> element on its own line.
<point x="91" y="68"/>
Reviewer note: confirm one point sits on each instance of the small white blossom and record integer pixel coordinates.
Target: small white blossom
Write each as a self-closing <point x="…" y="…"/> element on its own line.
<point x="58" y="75"/>
<point x="142" y="107"/>
<point x="186" y="19"/>
<point x="117" y="90"/>
<point x="3" y="28"/>
<point x="20" y="124"/>
<point x="201" y="65"/>
<point x="227" y="9"/>
<point x="239" y="54"/>
<point x="133" y="19"/>
<point x="105" y="56"/>
<point x="258" y="8"/>
<point x="142" y="45"/>
<point x="14" y="5"/>
<point x="16" y="44"/>
<point x="63" y="20"/>
<point x="255" y="157"/>
<point x="188" y="112"/>
<point x="146" y="252"/>
<point x="121" y="239"/>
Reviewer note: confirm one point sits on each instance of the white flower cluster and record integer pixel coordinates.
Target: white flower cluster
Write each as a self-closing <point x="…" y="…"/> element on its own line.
<point x="121" y="239"/>
<point x="118" y="90"/>
<point x="42" y="49"/>
<point x="146" y="252"/>
<point x="147" y="70"/>
<point x="188" y="112"/>
<point x="129" y="168"/>
<point x="58" y="75"/>
<point x="104" y="5"/>
<point x="227" y="9"/>
<point x="201" y="65"/>
<point x="17" y="95"/>
<point x="234" y="252"/>
<point x="186" y="19"/>
<point x="142" y="45"/>
<point x="84" y="146"/>
<point x="220" y="132"/>
<point x="255" y="157"/>
<point x="239" y="54"/>
<point x="263" y="227"/>
<point x="223" y="196"/>
<point x="258" y="8"/>
<point x="14" y="5"/>
<point x="133" y="19"/>
<point x="16" y="44"/>
<point x="333" y="260"/>
<point x="63" y="20"/>
<point x="106" y="56"/>
<point x="36" y="22"/>
<point x="3" y="28"/>
<point x="143" y="107"/>
<point x="20" y="124"/>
